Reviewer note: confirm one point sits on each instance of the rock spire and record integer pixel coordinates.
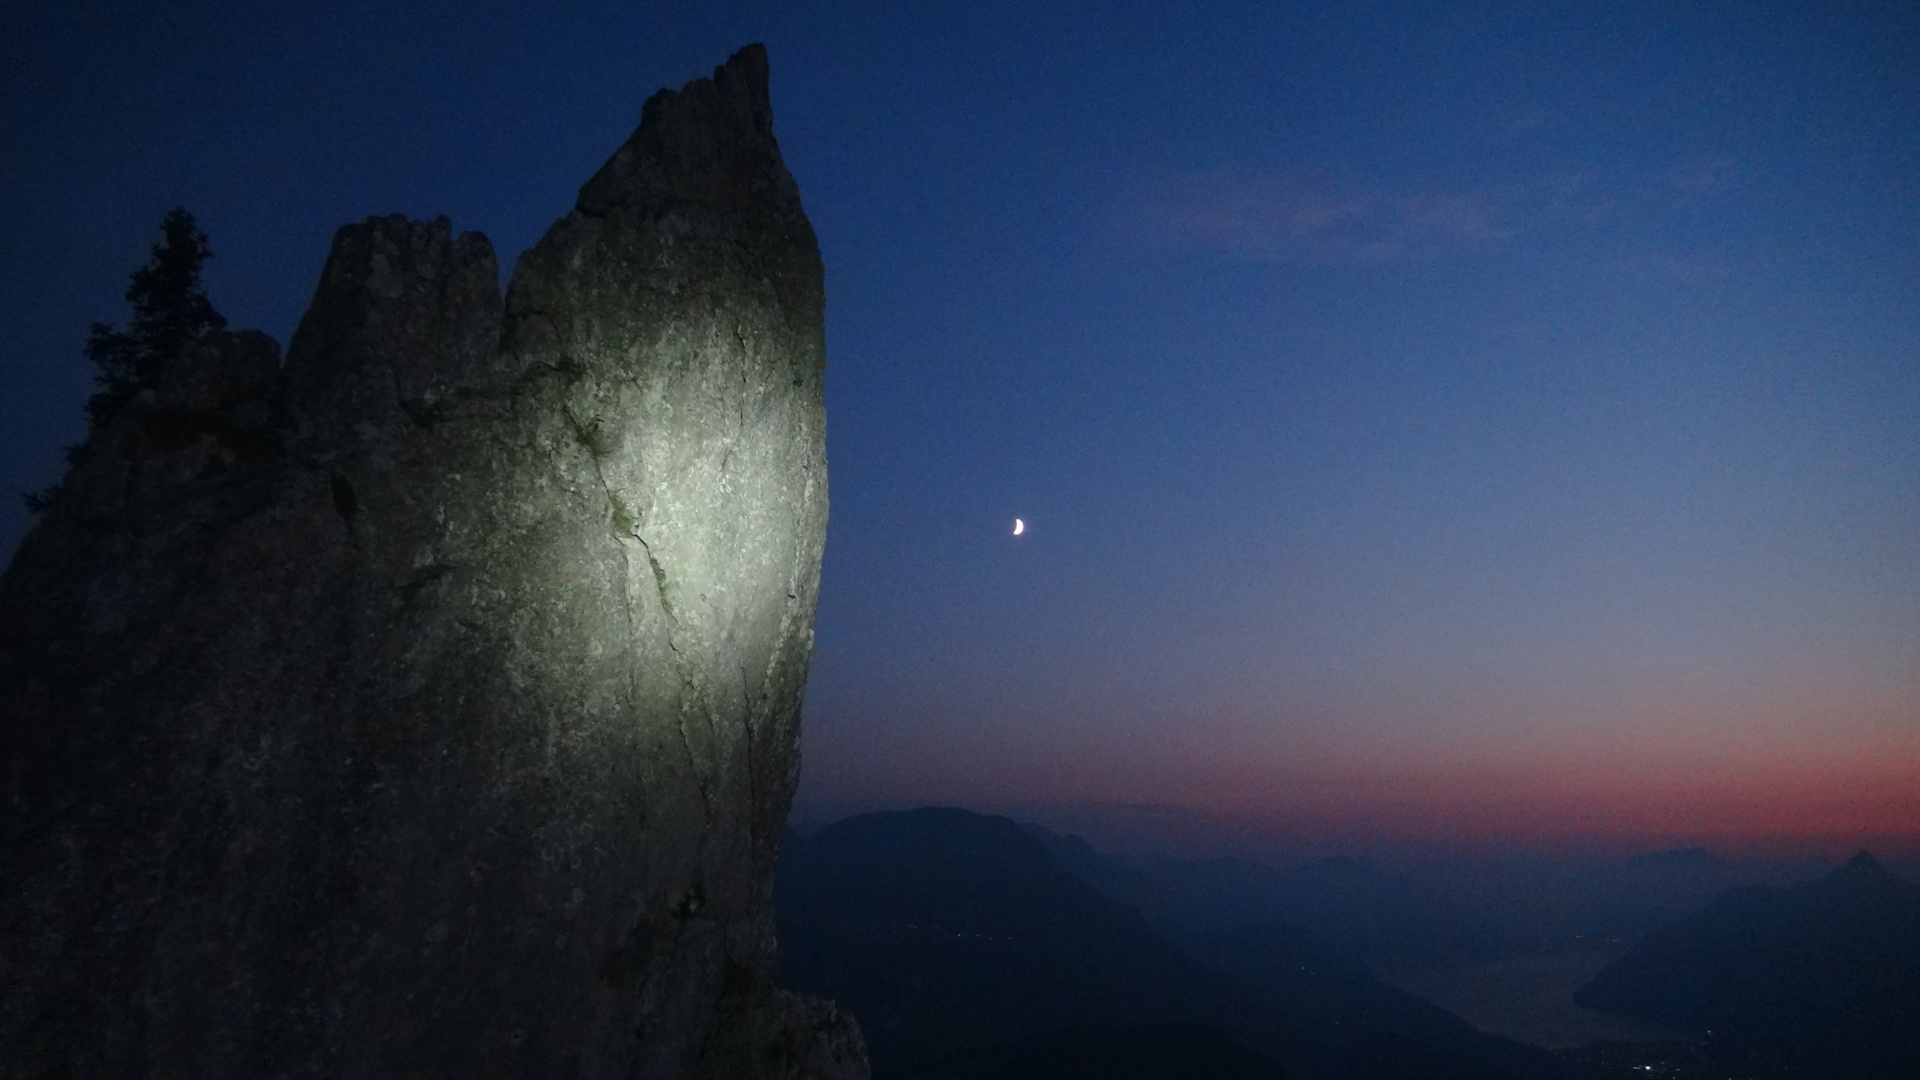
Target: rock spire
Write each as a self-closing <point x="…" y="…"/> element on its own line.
<point x="426" y="704"/>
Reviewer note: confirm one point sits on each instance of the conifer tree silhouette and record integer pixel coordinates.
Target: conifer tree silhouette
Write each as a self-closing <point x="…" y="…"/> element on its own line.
<point x="170" y="310"/>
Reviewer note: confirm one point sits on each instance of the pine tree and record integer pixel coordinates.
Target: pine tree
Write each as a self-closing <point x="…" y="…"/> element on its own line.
<point x="170" y="311"/>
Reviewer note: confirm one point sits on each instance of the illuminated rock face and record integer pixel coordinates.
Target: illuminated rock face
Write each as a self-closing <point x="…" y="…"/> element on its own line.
<point x="427" y="705"/>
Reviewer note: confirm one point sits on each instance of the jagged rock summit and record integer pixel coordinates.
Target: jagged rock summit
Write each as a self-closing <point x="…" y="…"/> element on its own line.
<point x="426" y="704"/>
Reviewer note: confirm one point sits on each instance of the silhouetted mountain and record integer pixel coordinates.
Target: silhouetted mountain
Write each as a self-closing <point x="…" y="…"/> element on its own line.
<point x="1234" y="931"/>
<point x="1111" y="1052"/>
<point x="1111" y="878"/>
<point x="1291" y="969"/>
<point x="1528" y="904"/>
<point x="957" y="939"/>
<point x="1675" y="858"/>
<point x="1823" y="979"/>
<point x="1372" y="919"/>
<point x="947" y="932"/>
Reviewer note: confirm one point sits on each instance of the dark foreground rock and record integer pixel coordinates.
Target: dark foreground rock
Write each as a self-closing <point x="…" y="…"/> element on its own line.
<point x="426" y="704"/>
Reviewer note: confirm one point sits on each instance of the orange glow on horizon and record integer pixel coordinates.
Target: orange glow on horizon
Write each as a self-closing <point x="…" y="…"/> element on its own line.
<point x="1789" y="794"/>
<point x="1795" y="762"/>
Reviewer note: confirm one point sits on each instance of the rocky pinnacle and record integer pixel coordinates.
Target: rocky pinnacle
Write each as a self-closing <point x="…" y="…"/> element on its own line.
<point x="427" y="704"/>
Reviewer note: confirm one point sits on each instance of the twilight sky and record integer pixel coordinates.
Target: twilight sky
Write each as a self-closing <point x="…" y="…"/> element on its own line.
<point x="1500" y="421"/>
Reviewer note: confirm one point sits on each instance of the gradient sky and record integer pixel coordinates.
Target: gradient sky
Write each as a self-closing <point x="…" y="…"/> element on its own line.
<point x="1502" y="419"/>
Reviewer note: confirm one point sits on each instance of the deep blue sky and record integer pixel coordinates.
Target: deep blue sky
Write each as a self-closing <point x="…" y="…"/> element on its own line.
<point x="1505" y="415"/>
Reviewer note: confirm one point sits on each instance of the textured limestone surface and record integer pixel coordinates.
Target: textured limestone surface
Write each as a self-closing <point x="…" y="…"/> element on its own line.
<point x="426" y="704"/>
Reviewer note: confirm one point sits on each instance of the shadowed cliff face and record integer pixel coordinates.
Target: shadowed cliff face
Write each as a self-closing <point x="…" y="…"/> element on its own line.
<point x="427" y="704"/>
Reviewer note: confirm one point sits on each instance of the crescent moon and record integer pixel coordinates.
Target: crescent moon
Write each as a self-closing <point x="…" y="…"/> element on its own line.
<point x="1019" y="526"/>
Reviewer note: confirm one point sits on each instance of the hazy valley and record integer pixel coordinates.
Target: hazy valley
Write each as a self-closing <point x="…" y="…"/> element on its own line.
<point x="975" y="946"/>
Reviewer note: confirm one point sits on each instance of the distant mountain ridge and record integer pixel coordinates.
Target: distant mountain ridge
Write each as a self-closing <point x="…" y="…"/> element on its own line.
<point x="1230" y="915"/>
<point x="1349" y="908"/>
<point x="1818" y="980"/>
<point x="959" y="938"/>
<point x="1675" y="857"/>
<point x="948" y="932"/>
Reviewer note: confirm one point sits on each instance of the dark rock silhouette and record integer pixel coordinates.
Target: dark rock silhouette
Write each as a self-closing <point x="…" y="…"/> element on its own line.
<point x="1818" y="980"/>
<point x="426" y="705"/>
